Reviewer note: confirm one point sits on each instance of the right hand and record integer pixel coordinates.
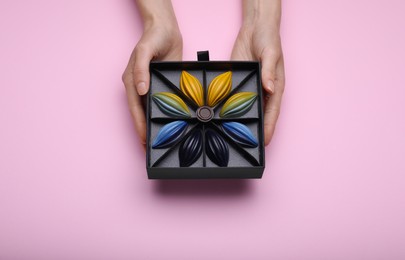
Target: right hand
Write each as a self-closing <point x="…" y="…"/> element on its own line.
<point x="160" y="41"/>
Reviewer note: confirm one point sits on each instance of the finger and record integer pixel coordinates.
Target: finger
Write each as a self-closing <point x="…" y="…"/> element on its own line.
<point x="269" y="63"/>
<point x="135" y="106"/>
<point x="142" y="58"/>
<point x="271" y="113"/>
<point x="273" y="105"/>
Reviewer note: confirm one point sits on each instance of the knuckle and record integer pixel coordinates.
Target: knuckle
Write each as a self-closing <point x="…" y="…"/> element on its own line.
<point x="139" y="70"/>
<point x="126" y="81"/>
<point x="124" y="77"/>
<point x="139" y="73"/>
<point x="271" y="52"/>
<point x="141" y="47"/>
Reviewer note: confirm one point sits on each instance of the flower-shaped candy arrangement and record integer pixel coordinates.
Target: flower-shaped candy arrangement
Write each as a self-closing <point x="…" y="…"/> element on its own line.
<point x="209" y="134"/>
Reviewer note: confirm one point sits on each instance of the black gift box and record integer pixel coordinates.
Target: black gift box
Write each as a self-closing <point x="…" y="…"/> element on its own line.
<point x="214" y="140"/>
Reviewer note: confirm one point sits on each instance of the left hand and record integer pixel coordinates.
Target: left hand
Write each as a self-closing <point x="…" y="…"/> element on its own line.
<point x="161" y="40"/>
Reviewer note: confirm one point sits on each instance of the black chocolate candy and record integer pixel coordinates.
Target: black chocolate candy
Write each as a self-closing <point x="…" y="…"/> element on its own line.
<point x="191" y="149"/>
<point x="216" y="148"/>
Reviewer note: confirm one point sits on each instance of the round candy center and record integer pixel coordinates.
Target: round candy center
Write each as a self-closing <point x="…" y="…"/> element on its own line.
<point x="205" y="114"/>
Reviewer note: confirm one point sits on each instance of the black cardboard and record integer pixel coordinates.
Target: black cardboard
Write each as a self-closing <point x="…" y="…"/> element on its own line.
<point x="164" y="163"/>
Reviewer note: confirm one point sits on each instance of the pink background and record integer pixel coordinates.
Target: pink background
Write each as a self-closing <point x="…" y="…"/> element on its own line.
<point x="72" y="174"/>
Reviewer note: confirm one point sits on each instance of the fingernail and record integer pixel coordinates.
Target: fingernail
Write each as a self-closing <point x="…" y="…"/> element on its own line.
<point x="270" y="87"/>
<point x="141" y="88"/>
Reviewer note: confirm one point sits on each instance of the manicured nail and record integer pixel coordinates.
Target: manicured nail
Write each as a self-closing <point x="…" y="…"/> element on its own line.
<point x="141" y="88"/>
<point x="270" y="87"/>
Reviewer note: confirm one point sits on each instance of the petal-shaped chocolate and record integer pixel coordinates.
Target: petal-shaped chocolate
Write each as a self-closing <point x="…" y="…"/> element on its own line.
<point x="169" y="134"/>
<point x="171" y="104"/>
<point x="192" y="88"/>
<point x="216" y="148"/>
<point x="238" y="104"/>
<point x="219" y="88"/>
<point x="240" y="133"/>
<point x="191" y="149"/>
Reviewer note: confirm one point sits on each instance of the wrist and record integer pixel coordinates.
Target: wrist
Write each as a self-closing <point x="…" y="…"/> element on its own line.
<point x="168" y="24"/>
<point x="157" y="13"/>
<point x="261" y="13"/>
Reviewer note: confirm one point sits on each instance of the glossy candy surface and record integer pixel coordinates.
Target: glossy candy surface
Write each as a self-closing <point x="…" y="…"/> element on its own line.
<point x="240" y="133"/>
<point x="219" y="88"/>
<point x="238" y="104"/>
<point x="171" y="104"/>
<point x="216" y="148"/>
<point x="169" y="134"/>
<point x="191" y="149"/>
<point x="192" y="88"/>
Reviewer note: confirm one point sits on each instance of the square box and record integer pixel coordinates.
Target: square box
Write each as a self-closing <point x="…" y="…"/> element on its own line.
<point x="205" y="120"/>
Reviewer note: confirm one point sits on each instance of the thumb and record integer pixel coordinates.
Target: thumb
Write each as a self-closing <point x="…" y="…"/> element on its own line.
<point x="143" y="56"/>
<point x="268" y="72"/>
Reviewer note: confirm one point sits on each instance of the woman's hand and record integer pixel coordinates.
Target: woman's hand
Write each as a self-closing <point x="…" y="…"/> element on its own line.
<point x="259" y="39"/>
<point x="161" y="40"/>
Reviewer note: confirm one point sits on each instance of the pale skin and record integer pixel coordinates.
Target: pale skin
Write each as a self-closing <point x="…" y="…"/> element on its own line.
<point x="258" y="39"/>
